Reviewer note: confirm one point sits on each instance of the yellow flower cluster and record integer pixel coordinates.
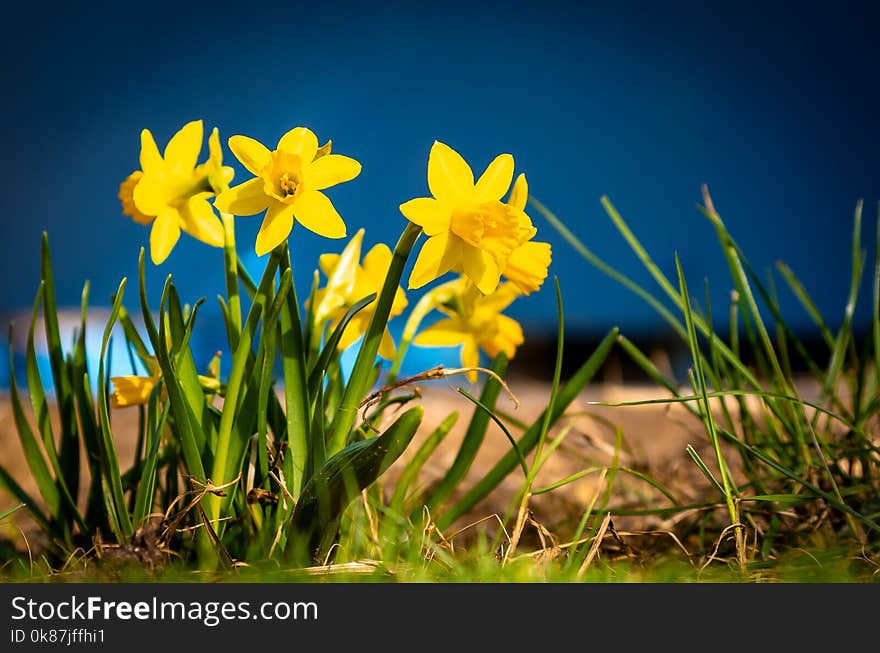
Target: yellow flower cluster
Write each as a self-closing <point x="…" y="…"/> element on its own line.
<point x="471" y="230"/>
<point x="171" y="190"/>
<point x="348" y="282"/>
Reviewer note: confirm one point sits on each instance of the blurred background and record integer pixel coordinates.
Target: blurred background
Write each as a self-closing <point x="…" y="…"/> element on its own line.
<point x="773" y="106"/>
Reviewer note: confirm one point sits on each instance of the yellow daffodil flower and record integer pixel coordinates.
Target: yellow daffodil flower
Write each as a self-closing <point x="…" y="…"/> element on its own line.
<point x="527" y="265"/>
<point x="135" y="390"/>
<point x="347" y="283"/>
<point x="470" y="230"/>
<point x="476" y="323"/>
<point x="288" y="185"/>
<point x="131" y="390"/>
<point x="171" y="191"/>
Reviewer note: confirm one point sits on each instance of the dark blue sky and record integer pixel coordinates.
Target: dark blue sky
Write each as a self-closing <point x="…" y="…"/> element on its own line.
<point x="774" y="106"/>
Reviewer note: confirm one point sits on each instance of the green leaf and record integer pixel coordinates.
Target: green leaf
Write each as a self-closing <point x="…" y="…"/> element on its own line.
<point x="297" y="396"/>
<point x="69" y="439"/>
<point x="32" y="451"/>
<point x="185" y="368"/>
<point x="263" y="372"/>
<point x="146" y="487"/>
<point x="95" y="516"/>
<point x="316" y="376"/>
<point x="112" y="476"/>
<point x="358" y="384"/>
<point x="187" y="426"/>
<point x="223" y="468"/>
<point x="41" y="412"/>
<point x="339" y="480"/>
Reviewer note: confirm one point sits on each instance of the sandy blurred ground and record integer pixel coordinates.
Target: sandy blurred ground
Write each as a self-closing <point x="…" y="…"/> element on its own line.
<point x="654" y="438"/>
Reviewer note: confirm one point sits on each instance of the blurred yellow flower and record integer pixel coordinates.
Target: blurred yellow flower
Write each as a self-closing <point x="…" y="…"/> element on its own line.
<point x="131" y="390"/>
<point x="136" y="390"/>
<point x="126" y="196"/>
<point x="469" y="229"/>
<point x="288" y="185"/>
<point x="170" y="190"/>
<point x="347" y="283"/>
<point x="475" y="322"/>
<point x="527" y="265"/>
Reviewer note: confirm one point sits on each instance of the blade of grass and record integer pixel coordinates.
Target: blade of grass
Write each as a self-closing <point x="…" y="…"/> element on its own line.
<point x="416" y="463"/>
<point x="500" y="424"/>
<point x="8" y="483"/>
<point x="568" y="392"/>
<point x="473" y="438"/>
<point x="636" y="289"/>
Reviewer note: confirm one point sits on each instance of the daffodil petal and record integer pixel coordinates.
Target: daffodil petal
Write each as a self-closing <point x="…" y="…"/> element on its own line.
<point x="376" y="262"/>
<point x="519" y="194"/>
<point x="527" y="266"/>
<point x="353" y="332"/>
<point x="131" y="390"/>
<point x="316" y="212"/>
<point x="200" y="222"/>
<point x="438" y="256"/>
<point x="150" y="158"/>
<point x="449" y="176"/>
<point x="149" y="194"/>
<point x="183" y="149"/>
<point x="252" y="154"/>
<point x="499" y="300"/>
<point x="430" y="214"/>
<point x="386" y="346"/>
<point x="327" y="263"/>
<point x="245" y="199"/>
<point x="470" y="358"/>
<point x="447" y="332"/>
<point x="494" y="182"/>
<point x="215" y="154"/>
<point x="509" y="336"/>
<point x="300" y="141"/>
<point x="480" y="268"/>
<point x="341" y="277"/>
<point x="331" y="169"/>
<point x="275" y="228"/>
<point x="164" y="234"/>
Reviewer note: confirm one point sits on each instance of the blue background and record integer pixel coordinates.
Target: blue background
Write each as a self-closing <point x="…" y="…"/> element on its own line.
<point x="774" y="106"/>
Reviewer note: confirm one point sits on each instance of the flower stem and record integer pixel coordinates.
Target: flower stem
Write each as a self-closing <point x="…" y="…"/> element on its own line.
<point x="236" y="382"/>
<point x="233" y="300"/>
<point x="357" y="388"/>
<point x="296" y="392"/>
